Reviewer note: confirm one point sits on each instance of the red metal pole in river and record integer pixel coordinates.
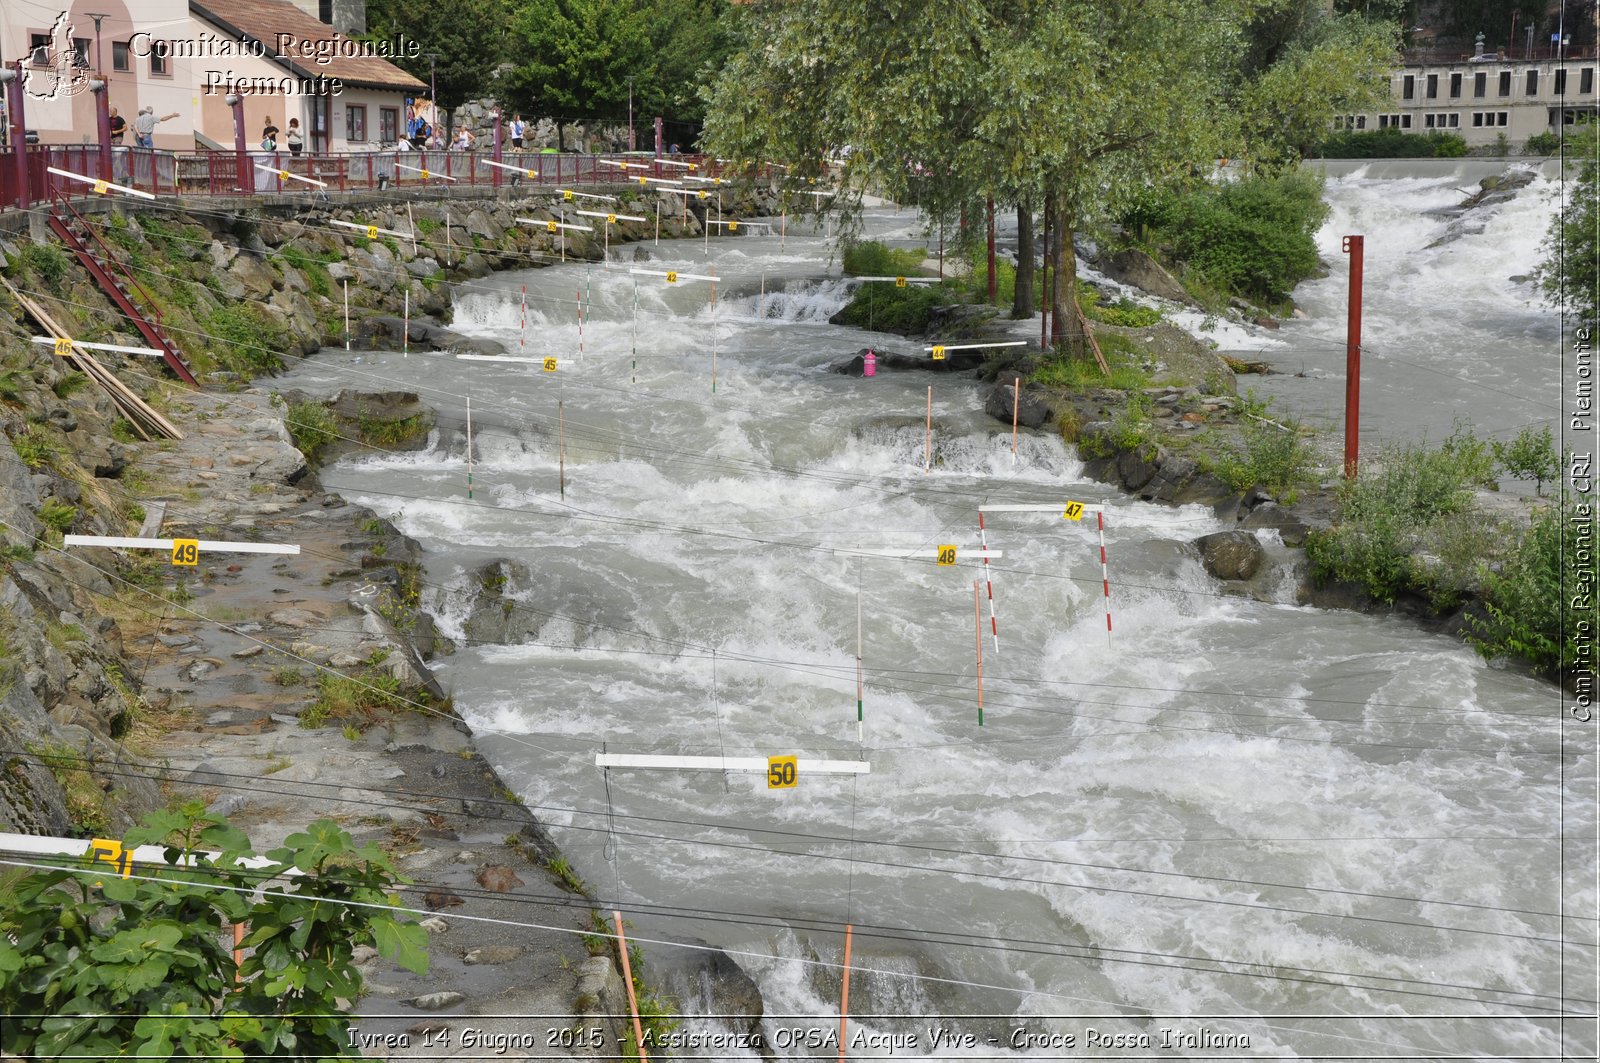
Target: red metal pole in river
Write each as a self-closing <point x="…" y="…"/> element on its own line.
<point x="1353" y="246"/>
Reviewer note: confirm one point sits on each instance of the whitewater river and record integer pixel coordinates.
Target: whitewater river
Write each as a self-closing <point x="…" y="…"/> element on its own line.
<point x="1315" y="833"/>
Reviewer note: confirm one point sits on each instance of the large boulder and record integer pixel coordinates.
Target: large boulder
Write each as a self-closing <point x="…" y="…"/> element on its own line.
<point x="1134" y="267"/>
<point x="1231" y="555"/>
<point x="1030" y="410"/>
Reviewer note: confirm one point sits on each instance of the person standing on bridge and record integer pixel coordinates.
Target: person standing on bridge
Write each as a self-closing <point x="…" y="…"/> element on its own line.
<point x="144" y="126"/>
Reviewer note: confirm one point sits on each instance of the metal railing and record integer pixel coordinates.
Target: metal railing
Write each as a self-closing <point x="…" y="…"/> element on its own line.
<point x="224" y="173"/>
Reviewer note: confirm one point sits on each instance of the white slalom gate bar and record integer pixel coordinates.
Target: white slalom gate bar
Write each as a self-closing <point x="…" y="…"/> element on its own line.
<point x="972" y="346"/>
<point x="673" y="276"/>
<point x="740" y="764"/>
<point x="895" y="280"/>
<point x="623" y="165"/>
<point x="370" y="229"/>
<point x="285" y="175"/>
<point x="206" y="546"/>
<point x="573" y="193"/>
<point x="704" y="180"/>
<point x="499" y="358"/>
<point x="610" y="217"/>
<point x="545" y="225"/>
<point x="51" y="341"/>
<point x="532" y="175"/>
<point x="698" y="193"/>
<point x="427" y="175"/>
<point x="680" y="165"/>
<point x="1088" y="507"/>
<point x="961" y="551"/>
<point x="734" y="223"/>
<point x="154" y="855"/>
<point x="658" y="180"/>
<point x="100" y="186"/>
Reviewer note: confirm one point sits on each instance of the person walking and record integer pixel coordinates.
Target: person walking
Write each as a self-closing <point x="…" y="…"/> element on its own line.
<point x="144" y="126"/>
<point x="293" y="137"/>
<point x="119" y="127"/>
<point x="517" y="129"/>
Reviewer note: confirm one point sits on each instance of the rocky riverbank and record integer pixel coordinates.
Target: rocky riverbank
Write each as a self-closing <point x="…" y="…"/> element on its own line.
<point x="278" y="689"/>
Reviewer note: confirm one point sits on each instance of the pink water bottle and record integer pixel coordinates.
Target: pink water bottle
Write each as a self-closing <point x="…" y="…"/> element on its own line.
<point x="869" y="364"/>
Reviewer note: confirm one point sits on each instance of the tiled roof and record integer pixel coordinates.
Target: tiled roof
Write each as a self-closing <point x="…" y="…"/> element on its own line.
<point x="264" y="20"/>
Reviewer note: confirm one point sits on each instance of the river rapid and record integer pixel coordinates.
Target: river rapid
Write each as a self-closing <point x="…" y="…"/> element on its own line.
<point x="1224" y="828"/>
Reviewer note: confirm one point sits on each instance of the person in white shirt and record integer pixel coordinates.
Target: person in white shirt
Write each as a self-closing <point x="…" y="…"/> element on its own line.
<point x="517" y="129"/>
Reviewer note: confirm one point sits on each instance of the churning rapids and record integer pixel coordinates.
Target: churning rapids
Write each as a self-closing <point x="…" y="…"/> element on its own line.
<point x="1314" y="833"/>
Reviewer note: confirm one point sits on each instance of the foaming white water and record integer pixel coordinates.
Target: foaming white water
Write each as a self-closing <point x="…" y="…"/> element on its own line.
<point x="1220" y="807"/>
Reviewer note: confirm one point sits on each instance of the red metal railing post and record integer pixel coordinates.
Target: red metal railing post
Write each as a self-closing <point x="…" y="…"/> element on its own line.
<point x="18" y="134"/>
<point x="1354" y="247"/>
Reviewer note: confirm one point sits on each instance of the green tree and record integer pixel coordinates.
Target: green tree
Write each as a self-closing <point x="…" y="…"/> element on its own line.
<point x="1570" y="272"/>
<point x="93" y="965"/>
<point x="576" y="56"/>
<point x="467" y="37"/>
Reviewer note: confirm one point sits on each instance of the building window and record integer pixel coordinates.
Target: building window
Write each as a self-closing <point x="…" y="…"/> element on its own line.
<point x="1480" y="85"/>
<point x="1505" y="82"/>
<point x="388" y="124"/>
<point x="1454" y="120"/>
<point x="80" y="52"/>
<point x="1433" y="86"/>
<point x="355" y="124"/>
<point x="325" y="11"/>
<point x="39" y="49"/>
<point x="1533" y="83"/>
<point x="1427" y="121"/>
<point x="1586" y="80"/>
<point x="1455" y="86"/>
<point x="119" y="56"/>
<point x="1408" y="88"/>
<point x="1405" y="121"/>
<point x="1477" y="119"/>
<point x="1561" y="82"/>
<point x="160" y="66"/>
<point x="1502" y="117"/>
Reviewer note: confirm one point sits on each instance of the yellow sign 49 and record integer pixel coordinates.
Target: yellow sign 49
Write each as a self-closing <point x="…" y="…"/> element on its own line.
<point x="186" y="551"/>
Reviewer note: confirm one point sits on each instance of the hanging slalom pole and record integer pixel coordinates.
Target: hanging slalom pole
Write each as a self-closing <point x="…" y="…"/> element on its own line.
<point x="561" y="443"/>
<point x="1016" y="402"/>
<point x="983" y="542"/>
<point x="627" y="979"/>
<point x="633" y="372"/>
<point x="713" y="337"/>
<point x="927" y="459"/>
<point x="469" y="446"/>
<point x="658" y="221"/>
<point x="580" y="324"/>
<point x="405" y="342"/>
<point x="860" y="714"/>
<point x="977" y="616"/>
<point x="1105" y="574"/>
<point x="1354" y="246"/>
<point x="347" y="313"/>
<point x="844" y="993"/>
<point x="522" y="334"/>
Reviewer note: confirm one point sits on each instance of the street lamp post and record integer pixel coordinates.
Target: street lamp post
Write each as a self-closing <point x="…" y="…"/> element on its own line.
<point x="433" y="96"/>
<point x="99" y="64"/>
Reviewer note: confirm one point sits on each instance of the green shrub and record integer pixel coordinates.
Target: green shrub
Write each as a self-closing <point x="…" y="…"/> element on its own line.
<point x="869" y="258"/>
<point x="1530" y="456"/>
<point x="1542" y="144"/>
<point x="1393" y="144"/>
<point x="886" y="308"/>
<point x="36" y="446"/>
<point x="1254" y="237"/>
<point x="1124" y="311"/>
<point x="312" y="426"/>
<point x="57" y="515"/>
<point x="46" y="263"/>
<point x="144" y="967"/>
<point x="1276" y="458"/>
<point x="1531" y="615"/>
<point x="244" y="339"/>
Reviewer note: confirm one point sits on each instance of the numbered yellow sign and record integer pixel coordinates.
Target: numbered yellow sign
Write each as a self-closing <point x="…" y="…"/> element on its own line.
<point x="186" y="551"/>
<point x="1074" y="511"/>
<point x="63" y="347"/>
<point x="550" y="227"/>
<point x="947" y="554"/>
<point x="693" y="166"/>
<point x="702" y="195"/>
<point x="283" y="175"/>
<point x="672" y="276"/>
<point x="549" y="365"/>
<point x="643" y="181"/>
<point x="782" y="772"/>
<point x="426" y="175"/>
<point x="101" y="188"/>
<point x="899" y="282"/>
<point x="111" y="851"/>
<point x="938" y="353"/>
<point x="372" y="232"/>
<point x="611" y="219"/>
<point x="567" y="196"/>
<point x="733" y="226"/>
<point x="529" y="174"/>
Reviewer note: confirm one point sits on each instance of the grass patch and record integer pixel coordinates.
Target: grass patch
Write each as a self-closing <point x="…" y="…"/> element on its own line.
<point x="312" y="426"/>
<point x="85" y="800"/>
<point x="886" y="308"/>
<point x="358" y="699"/>
<point x="869" y="258"/>
<point x="36" y="446"/>
<point x="1277" y="458"/>
<point x="1124" y="311"/>
<point x="383" y="433"/>
<point x="57" y="515"/>
<point x="245" y="340"/>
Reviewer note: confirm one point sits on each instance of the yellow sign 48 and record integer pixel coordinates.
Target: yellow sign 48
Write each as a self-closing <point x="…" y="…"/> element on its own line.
<point x="947" y="554"/>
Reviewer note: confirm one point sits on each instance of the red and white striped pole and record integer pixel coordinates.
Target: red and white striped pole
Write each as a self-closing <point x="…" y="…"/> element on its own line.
<point x="580" y="324"/>
<point x="983" y="541"/>
<point x="1105" y="574"/>
<point x="522" y="335"/>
